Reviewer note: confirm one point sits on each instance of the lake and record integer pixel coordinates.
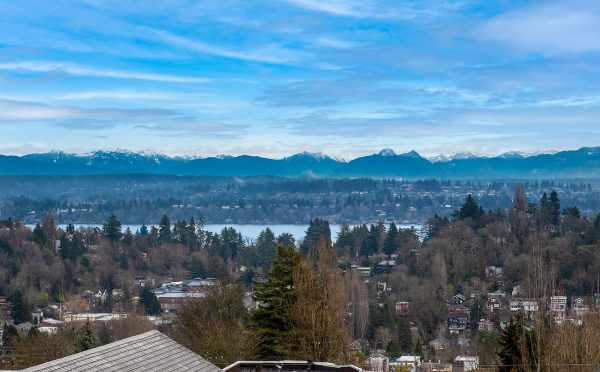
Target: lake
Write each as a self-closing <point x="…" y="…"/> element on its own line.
<point x="251" y="232"/>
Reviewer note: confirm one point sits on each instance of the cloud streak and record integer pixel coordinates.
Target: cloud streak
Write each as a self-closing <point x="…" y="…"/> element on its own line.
<point x="79" y="70"/>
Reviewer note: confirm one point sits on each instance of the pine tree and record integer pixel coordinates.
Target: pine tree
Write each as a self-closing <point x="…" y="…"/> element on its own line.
<point x="404" y="336"/>
<point x="266" y="247"/>
<point x="149" y="301"/>
<point x="554" y="209"/>
<point x="272" y="322"/>
<point x="86" y="338"/>
<point x="391" y="240"/>
<point x="112" y="228"/>
<point x="164" y="230"/>
<point x="317" y="230"/>
<point x="511" y="353"/>
<point x="470" y="209"/>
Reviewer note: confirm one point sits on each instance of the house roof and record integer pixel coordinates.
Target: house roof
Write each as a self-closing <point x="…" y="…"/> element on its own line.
<point x="292" y="365"/>
<point x="150" y="351"/>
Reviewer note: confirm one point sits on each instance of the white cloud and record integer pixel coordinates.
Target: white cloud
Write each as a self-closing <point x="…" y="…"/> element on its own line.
<point x="268" y="54"/>
<point x="116" y="95"/>
<point x="381" y="9"/>
<point x="333" y="42"/>
<point x="28" y="111"/>
<point x="336" y="7"/>
<point x="79" y="70"/>
<point x="568" y="27"/>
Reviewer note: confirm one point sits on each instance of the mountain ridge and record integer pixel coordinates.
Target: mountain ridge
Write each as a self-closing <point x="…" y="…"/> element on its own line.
<point x="582" y="163"/>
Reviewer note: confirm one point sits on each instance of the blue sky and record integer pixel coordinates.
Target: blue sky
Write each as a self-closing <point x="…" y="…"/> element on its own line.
<point x="342" y="77"/>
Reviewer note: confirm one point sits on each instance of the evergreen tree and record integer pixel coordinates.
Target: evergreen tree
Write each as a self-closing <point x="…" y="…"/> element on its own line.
<point x="286" y="240"/>
<point x="112" y="228"/>
<point x="554" y="209"/>
<point x="272" y="322"/>
<point x="317" y="230"/>
<point x="470" y="209"/>
<point x="517" y="348"/>
<point x="21" y="311"/>
<point x="164" y="230"/>
<point x="369" y="244"/>
<point x="86" y="338"/>
<point x="390" y="245"/>
<point x="143" y="230"/>
<point x="404" y="336"/>
<point x="149" y="301"/>
<point x="266" y="247"/>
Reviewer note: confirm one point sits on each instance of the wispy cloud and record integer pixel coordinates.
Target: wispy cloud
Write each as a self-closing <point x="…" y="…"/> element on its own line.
<point x="381" y="9"/>
<point x="158" y="120"/>
<point x="334" y="42"/>
<point x="274" y="54"/>
<point x="79" y="70"/>
<point x="116" y="95"/>
<point x="556" y="27"/>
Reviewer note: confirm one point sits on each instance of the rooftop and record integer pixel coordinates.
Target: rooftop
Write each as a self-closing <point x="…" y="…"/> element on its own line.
<point x="150" y="351"/>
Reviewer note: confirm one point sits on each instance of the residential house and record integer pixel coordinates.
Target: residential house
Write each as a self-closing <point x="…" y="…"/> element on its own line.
<point x="171" y="302"/>
<point x="558" y="308"/>
<point x="149" y="351"/>
<point x="288" y="366"/>
<point x="411" y="361"/>
<point x="578" y="307"/>
<point x="436" y="367"/>
<point x="464" y="363"/>
<point x="402" y="308"/>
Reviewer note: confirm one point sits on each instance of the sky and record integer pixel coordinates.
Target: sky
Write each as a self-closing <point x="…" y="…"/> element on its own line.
<point x="277" y="77"/>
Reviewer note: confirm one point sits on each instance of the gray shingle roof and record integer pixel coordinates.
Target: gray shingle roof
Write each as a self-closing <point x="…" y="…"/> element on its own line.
<point x="150" y="351"/>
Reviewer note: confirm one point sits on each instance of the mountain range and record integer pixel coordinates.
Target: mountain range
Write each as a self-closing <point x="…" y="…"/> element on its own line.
<point x="581" y="163"/>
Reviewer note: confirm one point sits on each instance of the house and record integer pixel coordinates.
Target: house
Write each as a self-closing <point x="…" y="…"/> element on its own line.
<point x="171" y="302"/>
<point x="5" y="312"/>
<point x="439" y="344"/>
<point x="378" y="363"/>
<point x="288" y="365"/>
<point x="436" y="367"/>
<point x="465" y="363"/>
<point x="458" y="318"/>
<point x="558" y="308"/>
<point x="384" y="266"/>
<point x="199" y="284"/>
<point x="363" y="271"/>
<point x="457" y="299"/>
<point x="493" y="304"/>
<point x="150" y="351"/>
<point x="578" y="307"/>
<point x="486" y="325"/>
<point x="93" y="317"/>
<point x="411" y="361"/>
<point x="493" y="272"/>
<point x="402" y="308"/>
<point x="383" y="287"/>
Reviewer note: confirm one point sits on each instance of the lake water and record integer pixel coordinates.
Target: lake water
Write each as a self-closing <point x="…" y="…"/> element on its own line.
<point x="251" y="232"/>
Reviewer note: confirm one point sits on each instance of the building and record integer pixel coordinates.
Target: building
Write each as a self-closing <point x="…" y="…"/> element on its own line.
<point x="402" y="308"/>
<point x="378" y="363"/>
<point x="94" y="317"/>
<point x="464" y="363"/>
<point x="436" y="367"/>
<point x="578" y="307"/>
<point x="150" y="351"/>
<point x="171" y="302"/>
<point x="5" y="312"/>
<point x="411" y="361"/>
<point x="288" y="365"/>
<point x="558" y="308"/>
